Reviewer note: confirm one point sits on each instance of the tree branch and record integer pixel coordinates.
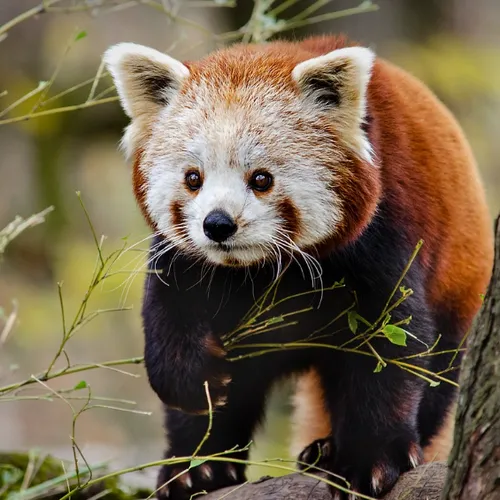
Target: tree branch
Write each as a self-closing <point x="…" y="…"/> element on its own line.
<point x="424" y="482"/>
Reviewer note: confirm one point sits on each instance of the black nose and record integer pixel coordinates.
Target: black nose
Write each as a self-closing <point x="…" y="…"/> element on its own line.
<point x="218" y="226"/>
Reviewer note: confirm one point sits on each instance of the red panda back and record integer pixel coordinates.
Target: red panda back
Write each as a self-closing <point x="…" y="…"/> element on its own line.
<point x="430" y="177"/>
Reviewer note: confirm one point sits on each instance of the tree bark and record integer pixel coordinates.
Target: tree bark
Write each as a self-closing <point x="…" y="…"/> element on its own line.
<point x="424" y="482"/>
<point x="475" y="458"/>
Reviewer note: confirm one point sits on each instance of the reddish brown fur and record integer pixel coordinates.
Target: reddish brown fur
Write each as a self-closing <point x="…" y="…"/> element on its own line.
<point x="139" y="186"/>
<point x="213" y="347"/>
<point x="440" y="446"/>
<point x="357" y="183"/>
<point x="290" y="216"/>
<point x="411" y="175"/>
<point x="177" y="218"/>
<point x="422" y="176"/>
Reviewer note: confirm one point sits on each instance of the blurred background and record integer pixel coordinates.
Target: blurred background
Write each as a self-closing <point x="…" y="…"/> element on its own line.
<point x="453" y="45"/>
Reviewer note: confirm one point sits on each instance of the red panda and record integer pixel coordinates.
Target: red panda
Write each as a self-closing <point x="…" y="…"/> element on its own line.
<point x="314" y="161"/>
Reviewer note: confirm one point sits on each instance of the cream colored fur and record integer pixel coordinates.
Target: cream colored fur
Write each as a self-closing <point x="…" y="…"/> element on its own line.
<point x="350" y="70"/>
<point x="130" y="66"/>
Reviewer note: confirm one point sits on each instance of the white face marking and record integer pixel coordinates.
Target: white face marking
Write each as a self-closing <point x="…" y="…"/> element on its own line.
<point x="226" y="131"/>
<point x="226" y="143"/>
<point x="182" y="120"/>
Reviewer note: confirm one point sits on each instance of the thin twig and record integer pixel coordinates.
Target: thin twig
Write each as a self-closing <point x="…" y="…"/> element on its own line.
<point x="40" y="88"/>
<point x="210" y="419"/>
<point x="64" y="109"/>
<point x="68" y="371"/>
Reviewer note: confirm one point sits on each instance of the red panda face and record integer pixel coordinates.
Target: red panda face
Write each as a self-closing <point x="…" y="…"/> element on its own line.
<point x="240" y="168"/>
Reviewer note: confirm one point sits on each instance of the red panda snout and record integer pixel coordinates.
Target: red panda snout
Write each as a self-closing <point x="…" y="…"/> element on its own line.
<point x="218" y="226"/>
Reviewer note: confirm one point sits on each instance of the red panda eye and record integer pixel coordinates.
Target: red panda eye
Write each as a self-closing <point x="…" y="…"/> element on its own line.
<point x="193" y="180"/>
<point x="261" y="181"/>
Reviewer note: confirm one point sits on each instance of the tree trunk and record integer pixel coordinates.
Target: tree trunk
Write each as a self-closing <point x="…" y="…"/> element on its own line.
<point x="475" y="458"/>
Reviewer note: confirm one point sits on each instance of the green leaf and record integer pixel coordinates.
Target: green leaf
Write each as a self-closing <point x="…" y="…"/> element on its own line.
<point x="395" y="334"/>
<point x="352" y="319"/>
<point x="80" y="35"/>
<point x="196" y="462"/>
<point x="378" y="368"/>
<point x="81" y="385"/>
<point x="434" y="383"/>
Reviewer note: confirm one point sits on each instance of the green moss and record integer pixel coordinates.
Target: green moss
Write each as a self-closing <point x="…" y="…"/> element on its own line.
<point x="29" y="476"/>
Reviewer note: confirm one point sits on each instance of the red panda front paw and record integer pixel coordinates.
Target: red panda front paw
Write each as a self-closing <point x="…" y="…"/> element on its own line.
<point x="369" y="469"/>
<point x="318" y="453"/>
<point x="178" y="376"/>
<point x="177" y="483"/>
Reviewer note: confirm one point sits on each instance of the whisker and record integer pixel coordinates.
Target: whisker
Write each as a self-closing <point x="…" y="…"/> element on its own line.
<point x="156" y="252"/>
<point x="312" y="264"/>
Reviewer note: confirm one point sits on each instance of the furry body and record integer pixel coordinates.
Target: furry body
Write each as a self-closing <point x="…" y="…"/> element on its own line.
<point x="365" y="161"/>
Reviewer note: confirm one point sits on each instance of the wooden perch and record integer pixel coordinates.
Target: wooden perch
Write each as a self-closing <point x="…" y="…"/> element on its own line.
<point x="425" y="482"/>
<point x="474" y="472"/>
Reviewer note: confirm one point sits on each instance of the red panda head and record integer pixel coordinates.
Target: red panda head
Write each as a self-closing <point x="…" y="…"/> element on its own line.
<point x="253" y="151"/>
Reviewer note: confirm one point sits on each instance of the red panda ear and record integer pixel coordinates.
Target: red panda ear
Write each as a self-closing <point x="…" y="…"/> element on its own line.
<point x="338" y="82"/>
<point x="145" y="79"/>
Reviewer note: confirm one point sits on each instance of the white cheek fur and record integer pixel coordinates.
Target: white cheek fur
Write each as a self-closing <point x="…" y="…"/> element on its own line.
<point x="162" y="186"/>
<point x="319" y="209"/>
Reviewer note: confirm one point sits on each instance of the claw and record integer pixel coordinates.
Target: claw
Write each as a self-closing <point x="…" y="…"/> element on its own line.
<point x="326" y="449"/>
<point x="231" y="472"/>
<point x="415" y="455"/>
<point x="188" y="482"/>
<point x="206" y="472"/>
<point x="183" y="478"/>
<point x="377" y="479"/>
<point x="224" y="381"/>
<point x="164" y="491"/>
<point x="221" y="401"/>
